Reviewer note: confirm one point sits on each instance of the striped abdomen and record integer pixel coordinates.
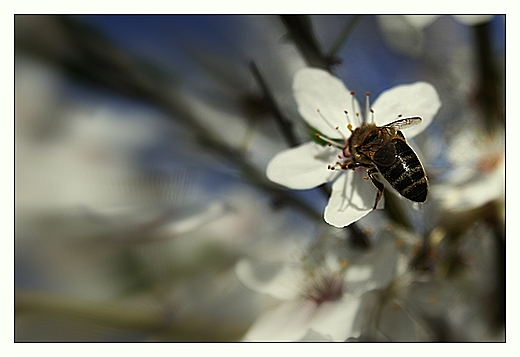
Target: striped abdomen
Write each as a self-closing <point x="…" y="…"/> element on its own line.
<point x="406" y="173"/>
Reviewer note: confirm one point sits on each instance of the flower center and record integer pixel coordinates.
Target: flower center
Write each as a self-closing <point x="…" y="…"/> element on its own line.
<point x="325" y="287"/>
<point x="345" y="162"/>
<point x="489" y="163"/>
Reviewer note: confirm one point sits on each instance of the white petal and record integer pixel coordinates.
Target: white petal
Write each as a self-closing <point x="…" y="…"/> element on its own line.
<point x="463" y="197"/>
<point x="352" y="197"/>
<point x="420" y="21"/>
<point x="337" y="319"/>
<point x="402" y="35"/>
<point x="473" y="20"/>
<point x="317" y="89"/>
<point x="417" y="99"/>
<point x="303" y="167"/>
<point x="374" y="270"/>
<point x="276" y="280"/>
<point x="289" y="321"/>
<point x="313" y="336"/>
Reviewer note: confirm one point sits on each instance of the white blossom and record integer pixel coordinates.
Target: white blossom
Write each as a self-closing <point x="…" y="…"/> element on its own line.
<point x="318" y="300"/>
<point x="405" y="33"/>
<point x="322" y="100"/>
<point x="477" y="174"/>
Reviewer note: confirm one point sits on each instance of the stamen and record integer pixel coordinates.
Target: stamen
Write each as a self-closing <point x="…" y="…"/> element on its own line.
<point x="354" y="107"/>
<point x="372" y="116"/>
<point x="344" y="166"/>
<point x="332" y="126"/>
<point x="337" y="165"/>
<point x="329" y="142"/>
<point x="348" y="119"/>
<point x="325" y="287"/>
<point x="367" y="108"/>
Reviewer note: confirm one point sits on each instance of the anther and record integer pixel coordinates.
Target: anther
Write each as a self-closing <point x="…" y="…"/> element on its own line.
<point x="348" y="118"/>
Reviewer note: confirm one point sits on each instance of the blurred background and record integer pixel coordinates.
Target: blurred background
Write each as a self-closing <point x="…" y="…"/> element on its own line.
<point x="141" y="144"/>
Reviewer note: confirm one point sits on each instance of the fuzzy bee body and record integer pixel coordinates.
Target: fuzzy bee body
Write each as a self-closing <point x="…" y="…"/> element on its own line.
<point x="384" y="150"/>
<point x="406" y="174"/>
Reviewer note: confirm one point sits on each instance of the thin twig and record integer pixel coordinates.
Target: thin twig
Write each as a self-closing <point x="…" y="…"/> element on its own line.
<point x="284" y="124"/>
<point x="343" y="37"/>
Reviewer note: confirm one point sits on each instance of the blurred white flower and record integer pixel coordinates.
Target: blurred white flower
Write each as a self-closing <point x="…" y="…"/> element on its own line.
<point x="319" y="301"/>
<point x="322" y="100"/>
<point x="405" y="33"/>
<point x="477" y="175"/>
<point x="397" y="313"/>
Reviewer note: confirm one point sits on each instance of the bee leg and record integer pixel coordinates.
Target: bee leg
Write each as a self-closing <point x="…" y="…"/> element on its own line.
<point x="378" y="184"/>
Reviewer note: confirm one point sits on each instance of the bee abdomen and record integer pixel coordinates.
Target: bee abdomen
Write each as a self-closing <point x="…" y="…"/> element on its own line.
<point x="406" y="174"/>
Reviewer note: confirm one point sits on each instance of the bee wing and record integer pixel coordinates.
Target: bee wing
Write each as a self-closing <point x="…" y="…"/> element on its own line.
<point x="404" y="123"/>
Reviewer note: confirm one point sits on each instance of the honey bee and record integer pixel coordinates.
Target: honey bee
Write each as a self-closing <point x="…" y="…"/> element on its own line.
<point x="384" y="150"/>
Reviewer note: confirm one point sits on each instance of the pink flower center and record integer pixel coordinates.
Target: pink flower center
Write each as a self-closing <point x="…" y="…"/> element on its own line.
<point x="327" y="287"/>
<point x="489" y="163"/>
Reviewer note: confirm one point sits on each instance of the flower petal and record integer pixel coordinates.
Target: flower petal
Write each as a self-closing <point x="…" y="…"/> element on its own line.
<point x="373" y="270"/>
<point x="473" y="20"/>
<point x="276" y="280"/>
<point x="303" y="167"/>
<point x="337" y="319"/>
<point x="421" y="21"/>
<point x="402" y="35"/>
<point x="313" y="336"/>
<point x="462" y="197"/>
<point x="417" y="99"/>
<point x="317" y="89"/>
<point x="352" y="197"/>
<point x="288" y="321"/>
